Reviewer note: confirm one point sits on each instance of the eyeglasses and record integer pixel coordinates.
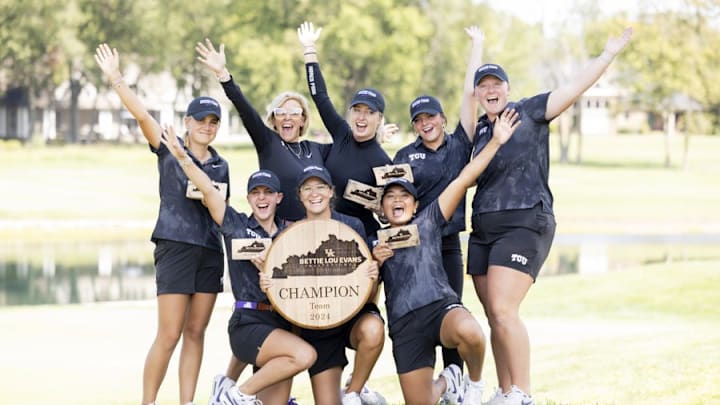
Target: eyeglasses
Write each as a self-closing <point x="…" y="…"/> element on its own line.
<point x="293" y="112"/>
<point x="317" y="188"/>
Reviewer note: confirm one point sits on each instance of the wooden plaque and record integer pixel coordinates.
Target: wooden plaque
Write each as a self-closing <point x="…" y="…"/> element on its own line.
<point x="247" y="248"/>
<point x="318" y="273"/>
<point x="361" y="193"/>
<point x="194" y="193"/>
<point x="400" y="236"/>
<point x="383" y="174"/>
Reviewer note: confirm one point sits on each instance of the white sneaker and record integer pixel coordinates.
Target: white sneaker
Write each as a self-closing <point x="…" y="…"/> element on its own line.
<point x="516" y="396"/>
<point x="233" y="396"/>
<point x="498" y="398"/>
<point x="454" y="380"/>
<point x="220" y="385"/>
<point x="473" y="391"/>
<point x="351" y="398"/>
<point x="367" y="395"/>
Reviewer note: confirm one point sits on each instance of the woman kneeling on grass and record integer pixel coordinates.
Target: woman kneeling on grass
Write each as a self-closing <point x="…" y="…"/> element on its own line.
<point x="423" y="310"/>
<point x="258" y="335"/>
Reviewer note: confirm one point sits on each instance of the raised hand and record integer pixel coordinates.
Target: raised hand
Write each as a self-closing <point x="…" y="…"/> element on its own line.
<point x="616" y="44"/>
<point x="505" y="125"/>
<point x="475" y="33"/>
<point x="213" y="59"/>
<point x="109" y="61"/>
<point x="170" y="139"/>
<point x="307" y="34"/>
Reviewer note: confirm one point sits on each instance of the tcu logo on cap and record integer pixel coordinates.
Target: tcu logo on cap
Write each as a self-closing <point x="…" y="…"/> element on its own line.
<point x="307" y="169"/>
<point x="487" y="67"/>
<point x="260" y="174"/>
<point x="367" y="92"/>
<point x="207" y="101"/>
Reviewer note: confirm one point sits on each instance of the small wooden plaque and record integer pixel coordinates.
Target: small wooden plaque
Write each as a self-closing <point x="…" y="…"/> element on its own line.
<point x="361" y="193"/>
<point x="383" y="174"/>
<point x="193" y="193"/>
<point x="318" y="273"/>
<point x="400" y="236"/>
<point x="247" y="248"/>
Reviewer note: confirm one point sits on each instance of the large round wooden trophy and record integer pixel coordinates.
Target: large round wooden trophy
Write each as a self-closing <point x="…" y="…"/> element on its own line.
<point x="318" y="271"/>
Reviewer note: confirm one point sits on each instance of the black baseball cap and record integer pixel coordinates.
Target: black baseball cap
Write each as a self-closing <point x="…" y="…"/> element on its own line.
<point x="402" y="182"/>
<point x="490" y="69"/>
<point x="264" y="178"/>
<point x="370" y="97"/>
<point x="203" y="106"/>
<point x="314" y="171"/>
<point x="425" y="104"/>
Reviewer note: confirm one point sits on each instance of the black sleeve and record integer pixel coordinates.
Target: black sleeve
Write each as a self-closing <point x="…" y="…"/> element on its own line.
<point x="334" y="122"/>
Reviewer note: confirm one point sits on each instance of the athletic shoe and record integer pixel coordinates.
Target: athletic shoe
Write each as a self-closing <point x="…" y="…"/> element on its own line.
<point x="516" y="396"/>
<point x="220" y="385"/>
<point x="454" y="381"/>
<point x="473" y="391"/>
<point x="351" y="398"/>
<point x="498" y="398"/>
<point x="370" y="397"/>
<point x="233" y="396"/>
<point x="367" y="395"/>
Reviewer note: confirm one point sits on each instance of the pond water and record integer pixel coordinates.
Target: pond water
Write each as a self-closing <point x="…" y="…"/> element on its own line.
<point x="83" y="272"/>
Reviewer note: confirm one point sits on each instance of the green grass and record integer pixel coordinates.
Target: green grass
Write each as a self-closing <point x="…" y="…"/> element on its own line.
<point x="646" y="335"/>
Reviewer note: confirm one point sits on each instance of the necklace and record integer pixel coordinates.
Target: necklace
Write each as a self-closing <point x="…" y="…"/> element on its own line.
<point x="300" y="150"/>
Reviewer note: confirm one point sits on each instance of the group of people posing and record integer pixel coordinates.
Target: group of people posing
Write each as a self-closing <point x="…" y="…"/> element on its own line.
<point x="504" y="152"/>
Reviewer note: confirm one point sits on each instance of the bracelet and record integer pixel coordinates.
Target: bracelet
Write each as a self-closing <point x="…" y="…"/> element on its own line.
<point x="117" y="82"/>
<point x="310" y="53"/>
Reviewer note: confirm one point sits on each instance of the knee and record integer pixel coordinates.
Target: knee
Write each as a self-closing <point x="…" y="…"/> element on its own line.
<point x="305" y="357"/>
<point x="194" y="331"/>
<point x="371" y="333"/>
<point x="471" y="335"/>
<point x="167" y="339"/>
<point x="500" y="315"/>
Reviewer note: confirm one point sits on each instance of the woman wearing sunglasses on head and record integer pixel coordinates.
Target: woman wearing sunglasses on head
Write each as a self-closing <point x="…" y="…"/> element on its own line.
<point x="277" y="137"/>
<point x="356" y="137"/>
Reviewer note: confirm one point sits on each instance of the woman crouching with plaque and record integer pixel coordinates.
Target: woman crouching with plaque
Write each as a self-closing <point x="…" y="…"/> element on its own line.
<point x="321" y="276"/>
<point x="423" y="310"/>
<point x="258" y="335"/>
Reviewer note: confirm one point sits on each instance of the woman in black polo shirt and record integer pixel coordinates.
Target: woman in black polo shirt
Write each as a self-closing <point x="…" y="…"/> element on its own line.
<point x="437" y="157"/>
<point x="188" y="249"/>
<point x="513" y="224"/>
<point x="277" y="137"/>
<point x="258" y="335"/>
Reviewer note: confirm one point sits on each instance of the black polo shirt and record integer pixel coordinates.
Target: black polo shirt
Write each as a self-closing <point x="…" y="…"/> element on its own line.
<point x="181" y="219"/>
<point x="244" y="276"/>
<point x="517" y="177"/>
<point x="415" y="276"/>
<point x="433" y="170"/>
<point x="347" y="158"/>
<point x="274" y="155"/>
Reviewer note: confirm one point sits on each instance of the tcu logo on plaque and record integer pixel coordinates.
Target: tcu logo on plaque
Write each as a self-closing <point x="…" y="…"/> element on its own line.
<point x="318" y="271"/>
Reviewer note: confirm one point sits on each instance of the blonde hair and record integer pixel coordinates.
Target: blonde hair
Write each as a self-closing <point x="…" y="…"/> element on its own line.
<point x="282" y="98"/>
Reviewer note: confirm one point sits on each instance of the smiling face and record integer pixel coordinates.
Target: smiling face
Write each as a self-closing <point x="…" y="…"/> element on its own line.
<point x="364" y="122"/>
<point x="202" y="132"/>
<point x="398" y="205"/>
<point x="263" y="202"/>
<point x="430" y="128"/>
<point x="315" y="195"/>
<point x="492" y="94"/>
<point x="289" y="120"/>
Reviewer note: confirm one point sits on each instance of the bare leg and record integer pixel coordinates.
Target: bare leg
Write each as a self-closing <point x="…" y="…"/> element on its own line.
<point x="326" y="386"/>
<point x="419" y="388"/>
<point x="461" y="330"/>
<point x="367" y="337"/>
<point x="171" y="318"/>
<point x="198" y="317"/>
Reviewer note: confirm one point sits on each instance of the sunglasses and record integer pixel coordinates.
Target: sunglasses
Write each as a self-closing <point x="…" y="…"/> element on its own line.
<point x="283" y="112"/>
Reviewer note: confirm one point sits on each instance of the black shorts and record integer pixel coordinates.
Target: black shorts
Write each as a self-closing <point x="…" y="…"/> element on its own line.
<point x="416" y="335"/>
<point x="519" y="239"/>
<point x="248" y="329"/>
<point x="182" y="268"/>
<point x="330" y="343"/>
